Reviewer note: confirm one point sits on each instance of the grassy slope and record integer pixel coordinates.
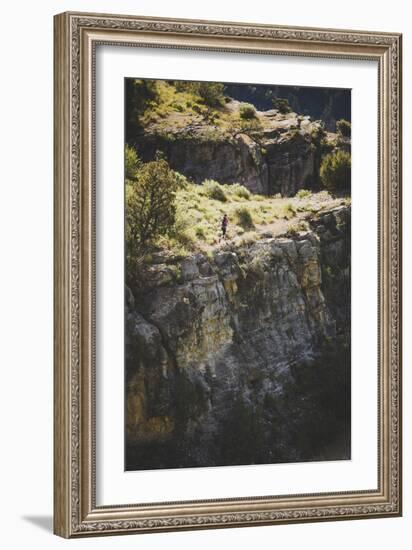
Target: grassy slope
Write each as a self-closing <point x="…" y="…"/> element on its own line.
<point x="199" y="216"/>
<point x="173" y="110"/>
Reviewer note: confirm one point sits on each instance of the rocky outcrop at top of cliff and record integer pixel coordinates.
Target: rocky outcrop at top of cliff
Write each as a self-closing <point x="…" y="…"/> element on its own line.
<point x="211" y="338"/>
<point x="279" y="153"/>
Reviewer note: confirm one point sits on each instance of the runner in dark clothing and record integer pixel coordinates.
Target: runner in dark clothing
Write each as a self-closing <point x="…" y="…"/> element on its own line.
<point x="225" y="221"/>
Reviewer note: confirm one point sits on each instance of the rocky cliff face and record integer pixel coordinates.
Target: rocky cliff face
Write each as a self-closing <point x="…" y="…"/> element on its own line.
<point x="282" y="156"/>
<point x="242" y="357"/>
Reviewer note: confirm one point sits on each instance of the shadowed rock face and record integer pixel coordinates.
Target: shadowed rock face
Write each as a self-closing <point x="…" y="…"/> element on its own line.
<point x="243" y="357"/>
<point x="282" y="157"/>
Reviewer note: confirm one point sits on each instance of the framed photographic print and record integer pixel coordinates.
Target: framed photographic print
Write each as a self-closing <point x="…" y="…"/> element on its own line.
<point x="227" y="274"/>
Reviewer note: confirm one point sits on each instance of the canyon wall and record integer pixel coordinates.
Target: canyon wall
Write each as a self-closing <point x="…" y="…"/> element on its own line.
<point x="281" y="157"/>
<point x="242" y="356"/>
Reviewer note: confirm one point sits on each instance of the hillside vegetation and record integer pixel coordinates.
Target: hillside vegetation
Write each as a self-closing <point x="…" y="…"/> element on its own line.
<point x="184" y="217"/>
<point x="250" y="216"/>
<point x="194" y="154"/>
<point x="169" y="107"/>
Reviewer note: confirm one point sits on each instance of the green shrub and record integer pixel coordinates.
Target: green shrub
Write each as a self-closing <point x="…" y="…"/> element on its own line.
<point x="282" y="105"/>
<point x="247" y="111"/>
<point x="239" y="125"/>
<point x="200" y="109"/>
<point x="327" y="146"/>
<point x="244" y="218"/>
<point x="150" y="206"/>
<point x="335" y="171"/>
<point x="343" y="127"/>
<point x="200" y="233"/>
<point x="211" y="93"/>
<point x="303" y="193"/>
<point x="240" y="191"/>
<point x="214" y="190"/>
<point x="132" y="163"/>
<point x="182" y="181"/>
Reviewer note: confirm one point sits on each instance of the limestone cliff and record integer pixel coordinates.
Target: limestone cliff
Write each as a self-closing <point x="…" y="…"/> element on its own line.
<point x="242" y="356"/>
<point x="280" y="153"/>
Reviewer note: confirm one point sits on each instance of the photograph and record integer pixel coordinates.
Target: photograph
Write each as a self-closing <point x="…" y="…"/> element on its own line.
<point x="226" y="353"/>
<point x="237" y="223"/>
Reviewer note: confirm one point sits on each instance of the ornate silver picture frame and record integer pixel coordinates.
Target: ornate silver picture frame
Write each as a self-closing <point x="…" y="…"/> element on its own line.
<point x="77" y="512"/>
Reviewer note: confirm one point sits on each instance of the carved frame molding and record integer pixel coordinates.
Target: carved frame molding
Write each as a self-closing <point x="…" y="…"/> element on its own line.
<point x="75" y="510"/>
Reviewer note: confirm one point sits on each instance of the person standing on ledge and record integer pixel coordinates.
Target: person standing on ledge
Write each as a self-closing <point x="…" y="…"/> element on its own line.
<point x="225" y="221"/>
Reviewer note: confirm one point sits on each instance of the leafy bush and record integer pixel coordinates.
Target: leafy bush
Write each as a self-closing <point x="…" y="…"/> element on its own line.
<point x="150" y="206"/>
<point x="244" y="218"/>
<point x="214" y="190"/>
<point x="132" y="163"/>
<point x="240" y="191"/>
<point x="213" y="118"/>
<point x="343" y="127"/>
<point x="198" y="108"/>
<point x="327" y="146"/>
<point x="200" y="232"/>
<point x="303" y="193"/>
<point x="282" y="105"/>
<point x="212" y="93"/>
<point x="335" y="171"/>
<point x="182" y="181"/>
<point x="247" y="111"/>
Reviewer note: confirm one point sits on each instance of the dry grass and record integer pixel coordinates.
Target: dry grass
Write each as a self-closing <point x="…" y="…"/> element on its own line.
<point x="199" y="216"/>
<point x="174" y="109"/>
